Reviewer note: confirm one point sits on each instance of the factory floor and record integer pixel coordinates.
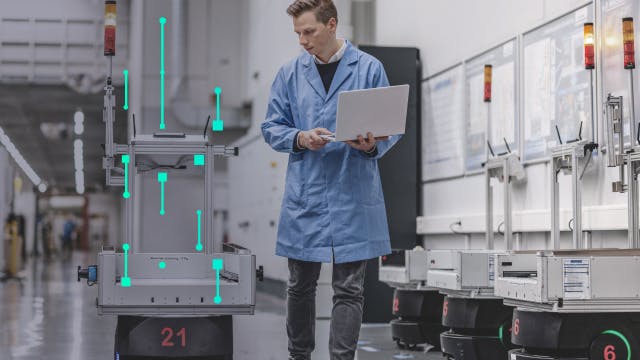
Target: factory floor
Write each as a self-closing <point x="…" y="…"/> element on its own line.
<point x="49" y="315"/>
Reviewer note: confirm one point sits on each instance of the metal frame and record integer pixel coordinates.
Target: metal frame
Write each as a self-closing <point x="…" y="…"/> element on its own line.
<point x="506" y="168"/>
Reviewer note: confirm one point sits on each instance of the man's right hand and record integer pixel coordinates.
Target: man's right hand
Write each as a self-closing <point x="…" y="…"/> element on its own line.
<point x="311" y="139"/>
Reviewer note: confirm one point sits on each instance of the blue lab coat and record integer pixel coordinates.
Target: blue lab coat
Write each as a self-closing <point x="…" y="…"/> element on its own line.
<point x="333" y="208"/>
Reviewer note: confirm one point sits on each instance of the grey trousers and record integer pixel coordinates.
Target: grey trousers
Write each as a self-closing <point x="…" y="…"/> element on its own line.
<point x="346" y="316"/>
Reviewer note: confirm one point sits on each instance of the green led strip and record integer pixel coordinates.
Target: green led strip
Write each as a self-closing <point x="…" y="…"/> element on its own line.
<point x="621" y="337"/>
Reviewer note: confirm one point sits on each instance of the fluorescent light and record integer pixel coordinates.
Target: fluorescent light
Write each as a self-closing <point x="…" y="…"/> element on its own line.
<point x="78" y="162"/>
<point x="19" y="160"/>
<point x="78" y="120"/>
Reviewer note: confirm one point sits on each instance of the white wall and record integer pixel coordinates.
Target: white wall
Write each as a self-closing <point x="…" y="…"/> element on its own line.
<point x="452" y="31"/>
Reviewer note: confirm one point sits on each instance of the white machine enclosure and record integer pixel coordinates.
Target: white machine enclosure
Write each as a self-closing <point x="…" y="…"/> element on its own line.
<point x="412" y="272"/>
<point x="599" y="280"/>
<point x="187" y="290"/>
<point x="467" y="273"/>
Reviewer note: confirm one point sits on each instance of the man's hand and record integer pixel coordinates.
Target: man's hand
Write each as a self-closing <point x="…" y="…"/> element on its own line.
<point x="311" y="139"/>
<point x="367" y="144"/>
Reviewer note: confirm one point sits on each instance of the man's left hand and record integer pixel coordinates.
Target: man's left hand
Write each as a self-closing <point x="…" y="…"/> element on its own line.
<point x="366" y="144"/>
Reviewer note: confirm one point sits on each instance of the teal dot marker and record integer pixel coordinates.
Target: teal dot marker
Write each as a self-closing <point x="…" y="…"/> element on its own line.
<point x="162" y="178"/>
<point x="125" y="72"/>
<point x="162" y="265"/>
<point x="217" y="124"/>
<point x="199" y="244"/>
<point x="125" y="162"/>
<point x="217" y="265"/>
<point x="162" y="21"/>
<point x="125" y="280"/>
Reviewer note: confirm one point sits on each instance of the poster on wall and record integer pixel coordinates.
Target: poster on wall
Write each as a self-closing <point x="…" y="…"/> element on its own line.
<point x="556" y="91"/>
<point x="442" y="129"/>
<point x="616" y="80"/>
<point x="503" y="125"/>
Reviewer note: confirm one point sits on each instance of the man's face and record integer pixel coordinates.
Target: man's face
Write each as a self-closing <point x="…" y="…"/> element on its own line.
<point x="314" y="36"/>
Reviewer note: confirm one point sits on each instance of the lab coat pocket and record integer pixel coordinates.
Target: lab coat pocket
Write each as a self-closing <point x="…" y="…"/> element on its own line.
<point x="295" y="194"/>
<point x="367" y="183"/>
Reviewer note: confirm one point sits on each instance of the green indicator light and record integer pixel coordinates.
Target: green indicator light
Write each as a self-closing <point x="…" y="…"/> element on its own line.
<point x="500" y="333"/>
<point x="198" y="160"/>
<point x="162" y="178"/>
<point x="162" y="265"/>
<point x="217" y="124"/>
<point x="621" y="337"/>
<point x="199" y="244"/>
<point x="125" y="280"/>
<point x="125" y="72"/>
<point x="162" y="21"/>
<point x="125" y="162"/>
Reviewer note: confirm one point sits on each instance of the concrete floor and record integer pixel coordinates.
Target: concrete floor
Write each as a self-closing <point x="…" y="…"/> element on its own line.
<point x="48" y="315"/>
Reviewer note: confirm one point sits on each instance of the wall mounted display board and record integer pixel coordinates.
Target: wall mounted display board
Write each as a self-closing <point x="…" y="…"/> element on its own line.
<point x="504" y="120"/>
<point x="615" y="78"/>
<point x="443" y="125"/>
<point x="556" y="86"/>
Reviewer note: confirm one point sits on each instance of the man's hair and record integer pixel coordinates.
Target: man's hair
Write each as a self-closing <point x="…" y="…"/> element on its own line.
<point x="324" y="10"/>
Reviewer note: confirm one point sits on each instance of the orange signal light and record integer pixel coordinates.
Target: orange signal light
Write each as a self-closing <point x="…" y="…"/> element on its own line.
<point x="589" y="53"/>
<point x="109" y="28"/>
<point x="487" y="83"/>
<point x="628" y="41"/>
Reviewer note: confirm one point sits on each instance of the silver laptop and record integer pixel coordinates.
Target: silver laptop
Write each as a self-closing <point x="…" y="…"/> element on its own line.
<point x="381" y="111"/>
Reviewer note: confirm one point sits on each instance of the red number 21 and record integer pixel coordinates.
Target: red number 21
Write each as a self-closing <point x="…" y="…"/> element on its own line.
<point x="168" y="335"/>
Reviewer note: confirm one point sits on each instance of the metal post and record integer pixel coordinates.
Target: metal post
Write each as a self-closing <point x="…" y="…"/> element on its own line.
<point x="488" y="209"/>
<point x="555" y="205"/>
<point x="594" y="131"/>
<point x="517" y="240"/>
<point x="506" y="173"/>
<point x="632" y="203"/>
<point x="586" y="239"/>
<point x="632" y="112"/>
<point x="577" y="199"/>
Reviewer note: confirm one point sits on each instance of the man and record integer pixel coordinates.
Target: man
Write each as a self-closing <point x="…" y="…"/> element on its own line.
<point x="333" y="208"/>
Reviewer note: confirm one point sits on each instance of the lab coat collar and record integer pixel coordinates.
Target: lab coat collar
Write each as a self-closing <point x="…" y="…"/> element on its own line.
<point x="344" y="71"/>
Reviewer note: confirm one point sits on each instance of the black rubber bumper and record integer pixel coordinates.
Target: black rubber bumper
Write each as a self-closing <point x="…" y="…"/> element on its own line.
<point x="466" y="347"/>
<point x="412" y="333"/>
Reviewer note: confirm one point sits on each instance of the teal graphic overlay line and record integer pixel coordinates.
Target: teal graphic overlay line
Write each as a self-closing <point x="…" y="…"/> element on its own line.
<point x="125" y="162"/>
<point x="218" y="124"/>
<point x="198" y="160"/>
<point x="162" y="21"/>
<point x="162" y="265"/>
<point x="217" y="265"/>
<point x="162" y="178"/>
<point x="125" y="72"/>
<point x="125" y="280"/>
<point x="199" y="245"/>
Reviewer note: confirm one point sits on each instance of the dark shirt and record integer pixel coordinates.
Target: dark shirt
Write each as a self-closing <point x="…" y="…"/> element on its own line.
<point x="327" y="71"/>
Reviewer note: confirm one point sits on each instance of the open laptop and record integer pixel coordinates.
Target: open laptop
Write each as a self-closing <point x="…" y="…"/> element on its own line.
<point x="381" y="111"/>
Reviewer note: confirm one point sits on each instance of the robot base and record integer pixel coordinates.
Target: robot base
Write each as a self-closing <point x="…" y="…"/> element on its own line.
<point x="480" y="328"/>
<point x="189" y="338"/>
<point x="469" y="347"/>
<point x="419" y="315"/>
<point x="595" y="336"/>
